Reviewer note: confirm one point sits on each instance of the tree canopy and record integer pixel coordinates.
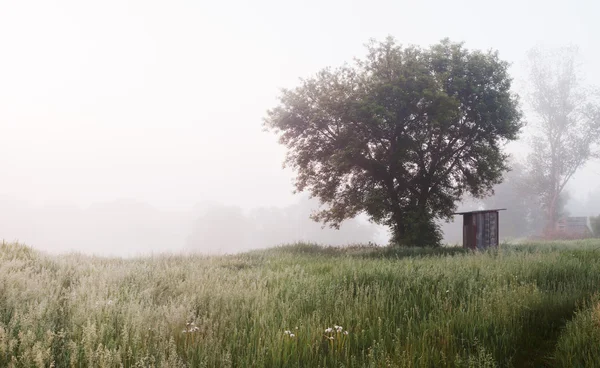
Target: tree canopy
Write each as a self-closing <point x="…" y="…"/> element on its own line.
<point x="400" y="135"/>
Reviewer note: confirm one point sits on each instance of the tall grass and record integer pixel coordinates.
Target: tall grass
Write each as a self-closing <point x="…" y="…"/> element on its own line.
<point x="579" y="345"/>
<point x="400" y="308"/>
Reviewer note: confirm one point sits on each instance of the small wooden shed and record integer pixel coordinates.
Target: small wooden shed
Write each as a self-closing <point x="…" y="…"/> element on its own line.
<point x="481" y="228"/>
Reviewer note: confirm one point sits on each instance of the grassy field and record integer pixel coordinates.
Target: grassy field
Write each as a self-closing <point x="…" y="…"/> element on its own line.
<point x="532" y="305"/>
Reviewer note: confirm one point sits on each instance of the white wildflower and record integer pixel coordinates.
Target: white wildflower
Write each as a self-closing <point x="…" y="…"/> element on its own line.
<point x="338" y="328"/>
<point x="345" y="332"/>
<point x="287" y="332"/>
<point x="292" y="335"/>
<point x="183" y="331"/>
<point x="329" y="330"/>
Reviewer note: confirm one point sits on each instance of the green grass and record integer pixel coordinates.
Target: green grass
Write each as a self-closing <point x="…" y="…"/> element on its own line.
<point x="579" y="345"/>
<point x="529" y="305"/>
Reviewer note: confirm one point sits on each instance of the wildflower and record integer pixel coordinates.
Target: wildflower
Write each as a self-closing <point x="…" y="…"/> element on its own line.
<point x="184" y="331"/>
<point x="195" y="329"/>
<point x="292" y="335"/>
<point x="345" y="332"/>
<point x="287" y="332"/>
<point x="447" y="291"/>
<point x="329" y="330"/>
<point x="338" y="328"/>
<point x="330" y="337"/>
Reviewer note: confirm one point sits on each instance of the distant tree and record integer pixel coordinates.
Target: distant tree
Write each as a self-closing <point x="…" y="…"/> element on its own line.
<point x="276" y="226"/>
<point x="400" y="135"/>
<point x="567" y="126"/>
<point x="221" y="229"/>
<point x="524" y="216"/>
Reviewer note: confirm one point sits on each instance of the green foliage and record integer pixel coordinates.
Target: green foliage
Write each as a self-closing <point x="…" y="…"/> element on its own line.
<point x="401" y="307"/>
<point x="402" y="133"/>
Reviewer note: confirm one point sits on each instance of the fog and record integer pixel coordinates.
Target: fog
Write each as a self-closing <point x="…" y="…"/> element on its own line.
<point x="129" y="228"/>
<point x="130" y="127"/>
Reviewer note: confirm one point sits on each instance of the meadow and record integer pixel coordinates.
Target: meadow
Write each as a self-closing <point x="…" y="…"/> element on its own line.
<point x="531" y="305"/>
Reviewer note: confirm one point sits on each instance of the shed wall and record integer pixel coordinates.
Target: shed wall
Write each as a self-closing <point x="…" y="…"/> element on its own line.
<point x="480" y="230"/>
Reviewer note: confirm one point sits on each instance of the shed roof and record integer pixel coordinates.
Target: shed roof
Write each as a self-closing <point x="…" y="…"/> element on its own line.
<point x="480" y="211"/>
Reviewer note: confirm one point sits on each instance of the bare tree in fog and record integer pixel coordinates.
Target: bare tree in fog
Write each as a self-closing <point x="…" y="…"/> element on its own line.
<point x="567" y="125"/>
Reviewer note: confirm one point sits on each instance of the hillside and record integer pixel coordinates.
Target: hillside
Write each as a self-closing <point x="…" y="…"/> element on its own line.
<point x="529" y="305"/>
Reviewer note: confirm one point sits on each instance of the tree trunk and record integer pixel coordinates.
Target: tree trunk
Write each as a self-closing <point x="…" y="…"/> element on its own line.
<point x="415" y="227"/>
<point x="398" y="231"/>
<point x="551" y="216"/>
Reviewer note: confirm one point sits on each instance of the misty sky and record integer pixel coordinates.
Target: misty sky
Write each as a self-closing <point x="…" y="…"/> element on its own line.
<point x="162" y="101"/>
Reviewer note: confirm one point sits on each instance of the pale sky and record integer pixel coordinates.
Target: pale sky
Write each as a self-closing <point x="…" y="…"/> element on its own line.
<point x="162" y="101"/>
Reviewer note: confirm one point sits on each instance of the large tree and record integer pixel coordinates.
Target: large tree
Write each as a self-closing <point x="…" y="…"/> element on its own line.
<point x="567" y="125"/>
<point x="400" y="135"/>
